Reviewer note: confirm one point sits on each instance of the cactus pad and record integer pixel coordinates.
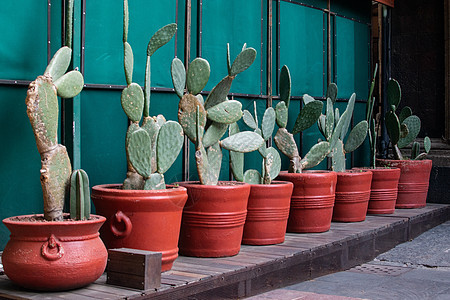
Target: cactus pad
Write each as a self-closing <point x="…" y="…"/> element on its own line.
<point x="286" y="143"/>
<point x="268" y="123"/>
<point x="413" y="125"/>
<point x="213" y="134"/>
<point x="219" y="92"/>
<point x="215" y="161"/>
<point x="308" y="116"/>
<point x="275" y="163"/>
<point x="155" y="182"/>
<point x="393" y="93"/>
<point x="243" y="142"/>
<point x="285" y="85"/>
<point x="427" y="144"/>
<point x="197" y="75"/>
<point x="59" y="63"/>
<point x="161" y="37"/>
<point x="139" y="151"/>
<point x="329" y="119"/>
<point x="70" y="84"/>
<point x="169" y="144"/>
<point x="404" y="113"/>
<point x="356" y="137"/>
<point x="338" y="157"/>
<point x="393" y="127"/>
<point x="226" y="112"/>
<point x="415" y="150"/>
<point x="315" y="155"/>
<point x="252" y="177"/>
<point x="332" y="91"/>
<point x="243" y="61"/>
<point x="249" y="120"/>
<point x="281" y="111"/>
<point x="187" y="116"/>
<point x="178" y="76"/>
<point x="132" y="100"/>
<point x="348" y="118"/>
<point x="128" y="62"/>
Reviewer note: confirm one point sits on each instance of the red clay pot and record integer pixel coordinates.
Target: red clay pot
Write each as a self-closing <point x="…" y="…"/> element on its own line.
<point x="213" y="219"/>
<point x="413" y="182"/>
<point x="54" y="256"/>
<point x="383" y="194"/>
<point x="352" y="195"/>
<point x="267" y="213"/>
<point x="141" y="219"/>
<point x="312" y="200"/>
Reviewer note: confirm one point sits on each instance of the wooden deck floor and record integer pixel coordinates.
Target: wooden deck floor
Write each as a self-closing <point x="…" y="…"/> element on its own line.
<point x="261" y="268"/>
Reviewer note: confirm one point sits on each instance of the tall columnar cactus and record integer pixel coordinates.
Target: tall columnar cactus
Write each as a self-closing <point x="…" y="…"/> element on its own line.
<point x="153" y="147"/>
<point x="305" y="119"/>
<point x="404" y="128"/>
<point x="42" y="110"/>
<point x="371" y="121"/>
<point x="205" y="121"/>
<point x="271" y="158"/>
<point x="334" y="128"/>
<point x="80" y="199"/>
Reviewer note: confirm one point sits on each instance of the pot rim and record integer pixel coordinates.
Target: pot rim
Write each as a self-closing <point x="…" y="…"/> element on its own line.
<point x="9" y="220"/>
<point x="115" y="187"/>
<point x="226" y="184"/>
<point x="273" y="183"/>
<point x="352" y="172"/>
<point x="377" y="169"/>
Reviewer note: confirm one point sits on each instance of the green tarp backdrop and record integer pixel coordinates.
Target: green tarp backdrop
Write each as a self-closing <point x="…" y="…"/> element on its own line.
<point x="93" y="125"/>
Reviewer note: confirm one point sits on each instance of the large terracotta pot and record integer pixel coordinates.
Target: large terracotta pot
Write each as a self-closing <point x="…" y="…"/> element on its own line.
<point x="383" y="191"/>
<point x="312" y="200"/>
<point x="267" y="213"/>
<point x="413" y="183"/>
<point x="54" y="256"/>
<point x="352" y="195"/>
<point x="141" y="219"/>
<point x="213" y="219"/>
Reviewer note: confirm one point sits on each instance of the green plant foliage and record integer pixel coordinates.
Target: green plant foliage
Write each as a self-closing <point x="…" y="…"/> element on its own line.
<point x="80" y="199"/>
<point x="197" y="75"/>
<point x="132" y="100"/>
<point x="308" y="116"/>
<point x="161" y="37"/>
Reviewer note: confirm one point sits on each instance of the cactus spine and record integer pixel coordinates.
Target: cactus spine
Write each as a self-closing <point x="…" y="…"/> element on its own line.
<point x="334" y="128"/>
<point x="205" y="122"/>
<point x="404" y="128"/>
<point x="153" y="147"/>
<point x="305" y="119"/>
<point x="271" y="165"/>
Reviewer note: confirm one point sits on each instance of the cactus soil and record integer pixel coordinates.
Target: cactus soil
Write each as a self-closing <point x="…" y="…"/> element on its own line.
<point x="213" y="218"/>
<point x="267" y="213"/>
<point x="413" y="183"/>
<point x="54" y="255"/>
<point x="141" y="219"/>
<point x="312" y="200"/>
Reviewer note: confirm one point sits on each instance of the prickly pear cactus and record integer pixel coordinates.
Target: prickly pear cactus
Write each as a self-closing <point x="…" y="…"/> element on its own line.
<point x="334" y="128"/>
<point x="271" y="165"/>
<point x="153" y="147"/>
<point x="403" y="128"/>
<point x="42" y="110"/>
<point x="305" y="119"/>
<point x="206" y="122"/>
<point x="80" y="199"/>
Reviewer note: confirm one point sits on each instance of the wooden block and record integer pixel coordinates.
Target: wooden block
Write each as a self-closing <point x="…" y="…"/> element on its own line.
<point x="133" y="268"/>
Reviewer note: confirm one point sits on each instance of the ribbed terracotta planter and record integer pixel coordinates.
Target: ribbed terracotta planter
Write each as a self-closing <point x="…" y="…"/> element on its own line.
<point x="383" y="191"/>
<point x="138" y="219"/>
<point x="267" y="213"/>
<point x="54" y="256"/>
<point x="352" y="195"/>
<point x="213" y="219"/>
<point x="413" y="183"/>
<point x="312" y="200"/>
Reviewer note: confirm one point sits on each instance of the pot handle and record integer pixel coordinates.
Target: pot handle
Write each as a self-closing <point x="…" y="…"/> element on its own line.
<point x="50" y="244"/>
<point x="120" y="217"/>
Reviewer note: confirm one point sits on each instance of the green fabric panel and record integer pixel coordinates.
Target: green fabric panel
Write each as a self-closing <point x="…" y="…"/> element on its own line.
<point x="361" y="155"/>
<point x="240" y="24"/>
<point x="103" y="130"/>
<point x="352" y="62"/>
<point x="315" y="3"/>
<point x="301" y="47"/>
<point x="104" y="43"/>
<point x="23" y="50"/>
<point x="358" y="10"/>
<point x="20" y="160"/>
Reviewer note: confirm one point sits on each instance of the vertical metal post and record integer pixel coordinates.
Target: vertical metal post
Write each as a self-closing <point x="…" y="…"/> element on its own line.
<point x="328" y="42"/>
<point x="269" y="58"/>
<point x="187" y="57"/>
<point x="386" y="67"/>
